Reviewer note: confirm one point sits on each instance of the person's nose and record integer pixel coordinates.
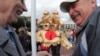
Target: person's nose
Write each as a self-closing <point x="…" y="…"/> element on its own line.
<point x="24" y="7"/>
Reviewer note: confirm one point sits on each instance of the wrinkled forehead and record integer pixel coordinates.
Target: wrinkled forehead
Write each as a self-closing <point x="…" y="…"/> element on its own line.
<point x="69" y="5"/>
<point x="65" y="5"/>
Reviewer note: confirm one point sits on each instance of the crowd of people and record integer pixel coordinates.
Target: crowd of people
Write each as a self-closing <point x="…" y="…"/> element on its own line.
<point x="25" y="39"/>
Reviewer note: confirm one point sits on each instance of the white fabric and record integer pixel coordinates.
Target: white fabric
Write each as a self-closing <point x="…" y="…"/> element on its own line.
<point x="64" y="4"/>
<point x="84" y="42"/>
<point x="69" y="0"/>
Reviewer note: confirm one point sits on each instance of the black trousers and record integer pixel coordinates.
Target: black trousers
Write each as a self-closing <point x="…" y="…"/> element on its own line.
<point x="38" y="43"/>
<point x="55" y="50"/>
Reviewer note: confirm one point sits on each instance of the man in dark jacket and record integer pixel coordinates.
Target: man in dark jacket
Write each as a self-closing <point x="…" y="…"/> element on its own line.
<point x="9" y="13"/>
<point x="85" y="14"/>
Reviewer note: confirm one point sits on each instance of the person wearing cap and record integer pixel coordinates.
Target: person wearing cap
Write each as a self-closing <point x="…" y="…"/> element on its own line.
<point x="10" y="10"/>
<point x="22" y="37"/>
<point x="86" y="14"/>
<point x="58" y="38"/>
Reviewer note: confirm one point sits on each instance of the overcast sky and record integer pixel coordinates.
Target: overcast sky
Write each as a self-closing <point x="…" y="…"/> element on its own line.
<point x="51" y="5"/>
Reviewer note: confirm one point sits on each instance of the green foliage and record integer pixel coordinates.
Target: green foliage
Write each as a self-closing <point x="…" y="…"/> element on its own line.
<point x="21" y="22"/>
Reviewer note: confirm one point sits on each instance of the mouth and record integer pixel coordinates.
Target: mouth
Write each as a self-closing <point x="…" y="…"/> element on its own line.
<point x="18" y="12"/>
<point x="75" y="16"/>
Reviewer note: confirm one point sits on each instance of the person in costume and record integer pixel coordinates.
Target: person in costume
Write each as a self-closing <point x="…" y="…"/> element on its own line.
<point x="42" y="37"/>
<point x="57" y="36"/>
<point x="44" y="24"/>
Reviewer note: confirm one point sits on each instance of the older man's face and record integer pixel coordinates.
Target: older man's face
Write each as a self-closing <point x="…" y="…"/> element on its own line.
<point x="12" y="9"/>
<point x="81" y="10"/>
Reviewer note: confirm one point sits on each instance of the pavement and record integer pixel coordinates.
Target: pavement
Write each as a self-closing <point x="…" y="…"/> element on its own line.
<point x="65" y="52"/>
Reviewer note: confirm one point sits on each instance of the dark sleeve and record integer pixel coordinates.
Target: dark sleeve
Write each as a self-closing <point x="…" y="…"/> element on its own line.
<point x="77" y="52"/>
<point x="95" y="45"/>
<point x="2" y="53"/>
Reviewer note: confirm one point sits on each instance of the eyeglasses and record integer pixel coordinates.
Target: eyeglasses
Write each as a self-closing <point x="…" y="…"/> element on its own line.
<point x="46" y="25"/>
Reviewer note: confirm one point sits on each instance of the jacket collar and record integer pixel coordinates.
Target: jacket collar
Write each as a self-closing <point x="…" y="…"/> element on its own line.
<point x="5" y="43"/>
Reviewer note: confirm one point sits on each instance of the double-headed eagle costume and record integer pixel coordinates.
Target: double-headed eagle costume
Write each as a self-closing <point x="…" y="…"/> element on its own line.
<point x="49" y="37"/>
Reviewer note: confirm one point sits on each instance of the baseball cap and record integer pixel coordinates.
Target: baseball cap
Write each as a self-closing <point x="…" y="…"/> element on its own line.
<point x="65" y="4"/>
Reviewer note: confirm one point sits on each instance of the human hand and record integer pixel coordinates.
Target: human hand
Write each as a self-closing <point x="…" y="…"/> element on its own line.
<point x="43" y="53"/>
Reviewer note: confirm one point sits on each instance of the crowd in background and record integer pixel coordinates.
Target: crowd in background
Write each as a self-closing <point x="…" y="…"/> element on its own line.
<point x="25" y="39"/>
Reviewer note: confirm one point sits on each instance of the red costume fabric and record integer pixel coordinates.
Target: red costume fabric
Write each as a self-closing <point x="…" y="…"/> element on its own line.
<point x="49" y="36"/>
<point x="44" y="48"/>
